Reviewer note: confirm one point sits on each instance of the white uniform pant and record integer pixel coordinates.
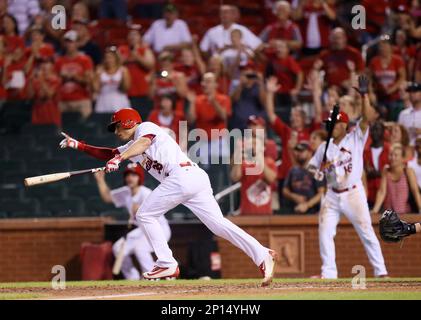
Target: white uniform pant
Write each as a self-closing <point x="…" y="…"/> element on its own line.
<point x="190" y="186"/>
<point x="353" y="204"/>
<point x="138" y="244"/>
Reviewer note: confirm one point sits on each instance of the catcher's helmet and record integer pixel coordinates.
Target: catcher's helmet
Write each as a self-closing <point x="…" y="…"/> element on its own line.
<point x="127" y="117"/>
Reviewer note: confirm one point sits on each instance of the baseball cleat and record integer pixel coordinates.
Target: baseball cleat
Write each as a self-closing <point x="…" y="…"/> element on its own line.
<point x="267" y="267"/>
<point x="165" y="273"/>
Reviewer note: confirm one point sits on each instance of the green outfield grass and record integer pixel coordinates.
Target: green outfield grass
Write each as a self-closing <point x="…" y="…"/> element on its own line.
<point x="378" y="289"/>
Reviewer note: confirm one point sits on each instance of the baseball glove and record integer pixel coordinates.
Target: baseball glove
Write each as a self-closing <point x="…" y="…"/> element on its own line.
<point x="393" y="229"/>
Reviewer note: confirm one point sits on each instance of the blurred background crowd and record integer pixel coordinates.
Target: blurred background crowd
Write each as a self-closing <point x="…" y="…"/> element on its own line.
<point x="273" y="65"/>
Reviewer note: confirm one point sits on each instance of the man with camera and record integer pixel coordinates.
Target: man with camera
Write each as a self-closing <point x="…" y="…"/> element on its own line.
<point x="410" y="118"/>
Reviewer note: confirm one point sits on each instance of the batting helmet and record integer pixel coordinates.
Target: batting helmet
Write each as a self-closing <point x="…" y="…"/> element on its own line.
<point x="136" y="169"/>
<point x="128" y="118"/>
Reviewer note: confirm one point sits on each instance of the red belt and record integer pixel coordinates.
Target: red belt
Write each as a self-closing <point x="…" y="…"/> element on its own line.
<point x="343" y="190"/>
<point x="186" y="164"/>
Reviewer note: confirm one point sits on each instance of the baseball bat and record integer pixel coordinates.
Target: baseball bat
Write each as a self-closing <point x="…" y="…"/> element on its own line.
<point x="53" y="177"/>
<point x="330" y="126"/>
<point x="120" y="254"/>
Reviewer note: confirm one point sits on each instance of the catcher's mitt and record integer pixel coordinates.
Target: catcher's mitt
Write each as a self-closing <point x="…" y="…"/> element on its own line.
<point x="393" y="229"/>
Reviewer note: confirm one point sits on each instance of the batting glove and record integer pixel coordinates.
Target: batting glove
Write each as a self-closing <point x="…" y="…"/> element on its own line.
<point x="113" y="164"/>
<point x="362" y="85"/>
<point x="69" y="142"/>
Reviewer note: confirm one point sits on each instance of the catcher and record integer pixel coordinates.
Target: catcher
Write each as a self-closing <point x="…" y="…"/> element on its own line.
<point x="393" y="229"/>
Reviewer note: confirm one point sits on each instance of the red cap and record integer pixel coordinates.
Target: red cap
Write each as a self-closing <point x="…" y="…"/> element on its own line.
<point x="136" y="169"/>
<point x="127" y="117"/>
<point x="342" y="117"/>
<point x="256" y="121"/>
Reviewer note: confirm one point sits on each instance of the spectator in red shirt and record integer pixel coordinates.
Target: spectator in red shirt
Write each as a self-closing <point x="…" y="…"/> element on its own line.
<point x="402" y="47"/>
<point x="258" y="123"/>
<point x="43" y="89"/>
<point x="283" y="28"/>
<point x="290" y="77"/>
<point x="375" y="18"/>
<point x="168" y="81"/>
<point x="211" y="110"/>
<point x="165" y="117"/>
<point x="256" y="191"/>
<point x="335" y="60"/>
<point x="316" y="18"/>
<point x="290" y="135"/>
<point x="3" y="94"/>
<point x="14" y="63"/>
<point x="38" y="52"/>
<point x="76" y="72"/>
<point x="216" y="66"/>
<point x="192" y="66"/>
<point x="140" y="61"/>
<point x="376" y="156"/>
<point x="388" y="74"/>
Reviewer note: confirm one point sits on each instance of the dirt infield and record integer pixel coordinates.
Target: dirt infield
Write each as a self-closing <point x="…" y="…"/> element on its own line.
<point x="217" y="289"/>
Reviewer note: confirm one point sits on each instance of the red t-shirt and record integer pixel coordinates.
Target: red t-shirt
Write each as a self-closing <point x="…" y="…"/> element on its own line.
<point x="284" y="132"/>
<point x="174" y="125"/>
<point x="13" y="42"/>
<point x="78" y="65"/>
<point x="385" y="77"/>
<point x="324" y="23"/>
<point x="376" y="14"/>
<point x="286" y="70"/>
<point x="139" y="85"/>
<point x="46" y="111"/>
<point x="46" y="51"/>
<point x="335" y="66"/>
<point x="288" y="32"/>
<point x="373" y="184"/>
<point x="3" y="93"/>
<point x="193" y="77"/>
<point x="206" y="116"/>
<point x="256" y="193"/>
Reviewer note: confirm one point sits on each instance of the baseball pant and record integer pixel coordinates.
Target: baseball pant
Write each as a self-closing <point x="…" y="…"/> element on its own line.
<point x="190" y="186"/>
<point x="353" y="204"/>
<point x="138" y="244"/>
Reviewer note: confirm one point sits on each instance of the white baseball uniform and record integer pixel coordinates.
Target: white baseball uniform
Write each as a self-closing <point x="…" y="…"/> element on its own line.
<point x="345" y="195"/>
<point x="182" y="182"/>
<point x="136" y="240"/>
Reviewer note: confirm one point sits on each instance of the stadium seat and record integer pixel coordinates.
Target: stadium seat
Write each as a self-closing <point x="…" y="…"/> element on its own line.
<point x="9" y="206"/>
<point x="70" y="206"/>
<point x="52" y="190"/>
<point x="37" y="130"/>
<point x="80" y="164"/>
<point x="12" y="192"/>
<point x="29" y="215"/>
<point x="17" y="165"/>
<point x="96" y="205"/>
<point x="83" y="191"/>
<point x="71" y="118"/>
<point x="117" y="214"/>
<point x="12" y="179"/>
<point x="50" y="166"/>
<point x="22" y="152"/>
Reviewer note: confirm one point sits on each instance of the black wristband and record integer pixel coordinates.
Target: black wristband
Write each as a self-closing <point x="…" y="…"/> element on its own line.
<point x="412" y="229"/>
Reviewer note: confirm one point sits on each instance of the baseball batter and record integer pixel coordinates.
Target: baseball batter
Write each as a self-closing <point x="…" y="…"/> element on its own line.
<point x="343" y="171"/>
<point x="181" y="182"/>
<point x="131" y="196"/>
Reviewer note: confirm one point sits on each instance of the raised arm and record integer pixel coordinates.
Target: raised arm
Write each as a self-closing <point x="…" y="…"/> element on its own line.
<point x="104" y="190"/>
<point x="381" y="193"/>
<point x="367" y="110"/>
<point x="272" y="87"/>
<point x="101" y="153"/>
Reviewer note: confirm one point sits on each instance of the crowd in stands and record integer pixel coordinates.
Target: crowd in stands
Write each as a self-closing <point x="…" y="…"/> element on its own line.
<point x="283" y="75"/>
